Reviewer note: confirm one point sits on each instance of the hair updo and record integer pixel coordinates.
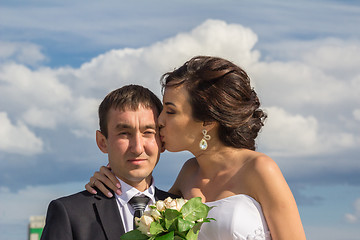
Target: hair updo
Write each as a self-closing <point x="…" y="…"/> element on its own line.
<point x="220" y="91"/>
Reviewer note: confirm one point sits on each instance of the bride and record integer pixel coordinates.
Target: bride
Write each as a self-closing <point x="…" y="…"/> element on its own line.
<point x="211" y="110"/>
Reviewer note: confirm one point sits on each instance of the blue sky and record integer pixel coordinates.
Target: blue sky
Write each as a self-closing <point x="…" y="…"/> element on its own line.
<point x="58" y="59"/>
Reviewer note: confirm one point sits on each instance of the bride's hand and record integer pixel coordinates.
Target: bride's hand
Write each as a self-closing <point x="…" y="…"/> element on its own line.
<point x="102" y="178"/>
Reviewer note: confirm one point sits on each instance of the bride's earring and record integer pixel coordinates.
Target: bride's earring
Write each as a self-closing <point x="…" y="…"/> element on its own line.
<point x="203" y="143"/>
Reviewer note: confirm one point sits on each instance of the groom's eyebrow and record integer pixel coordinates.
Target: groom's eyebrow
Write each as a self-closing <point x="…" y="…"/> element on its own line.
<point x="122" y="126"/>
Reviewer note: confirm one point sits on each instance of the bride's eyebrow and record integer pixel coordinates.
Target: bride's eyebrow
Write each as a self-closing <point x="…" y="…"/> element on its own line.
<point x="169" y="103"/>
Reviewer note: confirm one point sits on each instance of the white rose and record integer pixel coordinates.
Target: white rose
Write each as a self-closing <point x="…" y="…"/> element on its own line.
<point x="160" y="205"/>
<point x="155" y="213"/>
<point x="144" y="223"/>
<point x="170" y="203"/>
<point x="179" y="203"/>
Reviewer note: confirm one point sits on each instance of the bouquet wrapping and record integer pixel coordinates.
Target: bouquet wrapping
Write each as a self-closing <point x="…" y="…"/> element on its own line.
<point x="171" y="219"/>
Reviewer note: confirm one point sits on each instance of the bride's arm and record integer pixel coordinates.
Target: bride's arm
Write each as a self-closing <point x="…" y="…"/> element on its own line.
<point x="278" y="204"/>
<point x="104" y="177"/>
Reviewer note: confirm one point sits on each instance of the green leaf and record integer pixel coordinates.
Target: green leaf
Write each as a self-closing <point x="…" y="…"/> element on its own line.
<point x="171" y="217"/>
<point x="194" y="232"/>
<point x="194" y="209"/>
<point x="168" y="236"/>
<point x="179" y="238"/>
<point x="156" y="228"/>
<point x="184" y="225"/>
<point x="208" y="220"/>
<point x="134" y="235"/>
<point x="180" y="235"/>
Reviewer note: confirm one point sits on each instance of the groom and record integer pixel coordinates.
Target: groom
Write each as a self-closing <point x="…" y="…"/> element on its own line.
<point x="129" y="135"/>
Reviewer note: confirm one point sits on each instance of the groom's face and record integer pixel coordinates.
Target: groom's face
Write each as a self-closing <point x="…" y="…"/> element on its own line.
<point x="133" y="143"/>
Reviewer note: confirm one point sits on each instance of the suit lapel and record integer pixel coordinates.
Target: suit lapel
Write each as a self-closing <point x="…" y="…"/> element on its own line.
<point x="161" y="195"/>
<point x="109" y="215"/>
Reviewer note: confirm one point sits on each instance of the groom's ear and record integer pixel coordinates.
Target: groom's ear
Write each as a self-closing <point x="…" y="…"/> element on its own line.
<point x="101" y="141"/>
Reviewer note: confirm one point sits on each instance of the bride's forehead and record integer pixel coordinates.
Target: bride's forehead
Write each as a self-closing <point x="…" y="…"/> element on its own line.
<point x="178" y="93"/>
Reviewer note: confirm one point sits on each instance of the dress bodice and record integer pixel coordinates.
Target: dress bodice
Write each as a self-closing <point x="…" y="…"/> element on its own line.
<point x="237" y="217"/>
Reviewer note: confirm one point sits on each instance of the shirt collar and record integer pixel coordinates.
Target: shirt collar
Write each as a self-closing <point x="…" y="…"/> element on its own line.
<point x="129" y="191"/>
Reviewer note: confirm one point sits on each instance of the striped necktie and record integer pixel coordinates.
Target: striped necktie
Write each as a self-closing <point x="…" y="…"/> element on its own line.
<point x="139" y="205"/>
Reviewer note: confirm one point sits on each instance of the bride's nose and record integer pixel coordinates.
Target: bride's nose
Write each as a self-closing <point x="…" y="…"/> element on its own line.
<point x="161" y="122"/>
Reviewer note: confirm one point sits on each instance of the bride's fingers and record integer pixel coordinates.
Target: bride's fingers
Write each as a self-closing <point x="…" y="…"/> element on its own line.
<point x="89" y="185"/>
<point x="101" y="187"/>
<point x="107" y="178"/>
<point x="110" y="175"/>
<point x="104" y="180"/>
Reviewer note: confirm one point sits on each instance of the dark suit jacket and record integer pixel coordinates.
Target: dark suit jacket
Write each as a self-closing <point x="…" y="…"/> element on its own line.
<point x="83" y="216"/>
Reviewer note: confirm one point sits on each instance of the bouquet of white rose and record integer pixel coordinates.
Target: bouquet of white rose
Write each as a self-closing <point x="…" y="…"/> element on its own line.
<point x="173" y="219"/>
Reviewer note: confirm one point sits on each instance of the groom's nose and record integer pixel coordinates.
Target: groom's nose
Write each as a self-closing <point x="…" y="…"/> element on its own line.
<point x="137" y="144"/>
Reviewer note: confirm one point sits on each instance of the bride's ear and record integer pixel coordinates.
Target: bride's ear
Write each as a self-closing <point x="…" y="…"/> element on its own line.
<point x="209" y="125"/>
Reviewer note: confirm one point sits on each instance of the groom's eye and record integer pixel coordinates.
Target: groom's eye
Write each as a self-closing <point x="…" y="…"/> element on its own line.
<point x="124" y="133"/>
<point x="149" y="132"/>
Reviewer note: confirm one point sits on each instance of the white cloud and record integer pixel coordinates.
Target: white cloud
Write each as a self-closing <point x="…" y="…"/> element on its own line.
<point x="355" y="216"/>
<point x="18" y="138"/>
<point x="356" y="114"/>
<point x="286" y="134"/>
<point x="85" y="115"/>
<point x="27" y="87"/>
<point x="41" y="118"/>
<point x="334" y="56"/>
<point x="21" y="52"/>
<point x="213" y="37"/>
<point x="351" y="218"/>
<point x="297" y="85"/>
<point x="145" y="65"/>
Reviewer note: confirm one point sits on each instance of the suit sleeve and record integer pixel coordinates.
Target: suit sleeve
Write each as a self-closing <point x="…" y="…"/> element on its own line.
<point x="57" y="225"/>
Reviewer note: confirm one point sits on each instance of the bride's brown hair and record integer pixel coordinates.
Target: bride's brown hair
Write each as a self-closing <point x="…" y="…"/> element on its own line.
<point x="220" y="91"/>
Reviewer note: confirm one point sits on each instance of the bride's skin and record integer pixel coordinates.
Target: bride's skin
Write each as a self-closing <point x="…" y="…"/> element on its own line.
<point x="219" y="171"/>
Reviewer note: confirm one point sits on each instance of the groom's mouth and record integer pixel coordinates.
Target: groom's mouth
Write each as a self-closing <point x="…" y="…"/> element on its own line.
<point x="137" y="161"/>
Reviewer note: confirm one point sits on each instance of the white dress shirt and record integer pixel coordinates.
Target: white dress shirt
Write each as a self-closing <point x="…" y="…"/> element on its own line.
<point x="125" y="209"/>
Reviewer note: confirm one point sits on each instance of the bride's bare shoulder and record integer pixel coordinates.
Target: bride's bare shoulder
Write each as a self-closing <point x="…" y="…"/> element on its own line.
<point x="262" y="169"/>
<point x="258" y="161"/>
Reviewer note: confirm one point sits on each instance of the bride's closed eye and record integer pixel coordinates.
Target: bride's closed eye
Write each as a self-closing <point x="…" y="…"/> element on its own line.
<point x="169" y="110"/>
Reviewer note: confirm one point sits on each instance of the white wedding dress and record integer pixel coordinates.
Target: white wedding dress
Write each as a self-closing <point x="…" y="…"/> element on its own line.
<point x="237" y="217"/>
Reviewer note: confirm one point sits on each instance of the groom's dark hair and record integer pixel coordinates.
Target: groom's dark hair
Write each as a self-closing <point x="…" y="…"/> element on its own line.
<point x="128" y="97"/>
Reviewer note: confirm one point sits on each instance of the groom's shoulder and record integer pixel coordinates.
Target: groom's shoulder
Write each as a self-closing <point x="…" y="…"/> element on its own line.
<point x="80" y="197"/>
